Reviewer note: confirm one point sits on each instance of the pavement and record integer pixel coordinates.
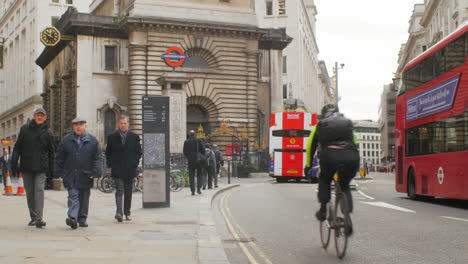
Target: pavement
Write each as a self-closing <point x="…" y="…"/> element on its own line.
<point x="183" y="233"/>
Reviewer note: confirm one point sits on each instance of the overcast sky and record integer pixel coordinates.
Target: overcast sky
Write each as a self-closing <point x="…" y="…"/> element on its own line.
<point x="366" y="36"/>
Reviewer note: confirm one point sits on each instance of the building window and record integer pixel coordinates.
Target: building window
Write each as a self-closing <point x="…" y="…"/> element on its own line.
<point x="70" y="2"/>
<point x="54" y="20"/>
<point x="285" y="91"/>
<point x="281" y="7"/>
<point x="269" y="7"/>
<point x="110" y="58"/>
<point x="285" y="64"/>
<point x="55" y="1"/>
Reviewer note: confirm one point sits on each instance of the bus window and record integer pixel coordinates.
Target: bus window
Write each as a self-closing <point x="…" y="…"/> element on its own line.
<point x="291" y="133"/>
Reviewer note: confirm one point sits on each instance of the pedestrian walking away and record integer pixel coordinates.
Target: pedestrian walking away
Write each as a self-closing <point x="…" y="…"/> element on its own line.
<point x="5" y="166"/>
<point x="194" y="152"/>
<point x="123" y="153"/>
<point x="219" y="163"/>
<point x="35" y="150"/>
<point x="78" y="162"/>
<point x="210" y="167"/>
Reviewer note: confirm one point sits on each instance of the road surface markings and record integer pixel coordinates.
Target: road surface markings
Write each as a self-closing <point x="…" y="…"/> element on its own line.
<point x="226" y="212"/>
<point x="455" y="218"/>
<point x="365" y="195"/>
<point x="389" y="206"/>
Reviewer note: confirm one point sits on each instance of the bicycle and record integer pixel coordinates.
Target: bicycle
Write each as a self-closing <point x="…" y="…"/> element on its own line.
<point x="176" y="181"/>
<point x="138" y="181"/>
<point x="107" y="183"/>
<point x="338" y="218"/>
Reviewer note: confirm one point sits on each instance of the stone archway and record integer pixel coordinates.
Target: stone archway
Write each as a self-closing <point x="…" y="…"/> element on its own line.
<point x="201" y="111"/>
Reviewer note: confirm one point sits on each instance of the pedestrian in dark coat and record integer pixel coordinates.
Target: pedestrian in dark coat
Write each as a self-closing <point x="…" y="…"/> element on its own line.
<point x="5" y="165"/>
<point x="219" y="162"/>
<point x="78" y="162"/>
<point x="192" y="146"/>
<point x="34" y="148"/>
<point x="123" y="153"/>
<point x="209" y="167"/>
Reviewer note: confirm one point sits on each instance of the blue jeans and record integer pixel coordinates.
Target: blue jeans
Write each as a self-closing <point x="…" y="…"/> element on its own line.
<point x="78" y="204"/>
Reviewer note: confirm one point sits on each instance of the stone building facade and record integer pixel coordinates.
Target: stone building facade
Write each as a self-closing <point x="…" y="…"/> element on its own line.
<point x="387" y="124"/>
<point x="304" y="87"/>
<point x="225" y="80"/>
<point x="430" y="22"/>
<point x="20" y="79"/>
<point x="368" y="135"/>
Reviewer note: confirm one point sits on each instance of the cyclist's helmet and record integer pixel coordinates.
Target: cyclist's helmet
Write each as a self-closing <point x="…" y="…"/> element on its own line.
<point x="329" y="109"/>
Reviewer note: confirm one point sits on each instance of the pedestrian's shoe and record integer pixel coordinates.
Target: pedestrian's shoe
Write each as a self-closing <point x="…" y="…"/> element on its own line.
<point x="40" y="223"/>
<point x="199" y="192"/>
<point x="71" y="223"/>
<point x="321" y="215"/>
<point x="193" y="193"/>
<point x="83" y="224"/>
<point x="119" y="217"/>
<point x="216" y="186"/>
<point x="128" y="218"/>
<point x="32" y="222"/>
<point x="204" y="187"/>
<point x="210" y="188"/>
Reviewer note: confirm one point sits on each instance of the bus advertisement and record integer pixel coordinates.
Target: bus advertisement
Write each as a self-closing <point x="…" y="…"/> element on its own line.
<point x="289" y="132"/>
<point x="431" y="126"/>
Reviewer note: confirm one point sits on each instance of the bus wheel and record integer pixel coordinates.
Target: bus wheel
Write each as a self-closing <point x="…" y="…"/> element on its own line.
<point x="298" y="180"/>
<point x="411" y="186"/>
<point x="281" y="180"/>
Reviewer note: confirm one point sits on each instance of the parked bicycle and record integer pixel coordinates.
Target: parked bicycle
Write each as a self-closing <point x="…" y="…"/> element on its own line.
<point x="177" y="180"/>
<point x="338" y="220"/>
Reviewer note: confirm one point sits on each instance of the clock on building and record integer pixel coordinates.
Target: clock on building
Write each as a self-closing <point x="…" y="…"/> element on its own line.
<point x="50" y="36"/>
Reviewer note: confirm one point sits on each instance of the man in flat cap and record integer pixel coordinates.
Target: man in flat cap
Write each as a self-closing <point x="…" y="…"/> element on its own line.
<point x="35" y="150"/>
<point x="78" y="161"/>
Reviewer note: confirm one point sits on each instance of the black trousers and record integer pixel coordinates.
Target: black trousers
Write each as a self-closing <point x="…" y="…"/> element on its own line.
<point x="210" y="172"/>
<point x="124" y="187"/>
<point x="329" y="160"/>
<point x="198" y="170"/>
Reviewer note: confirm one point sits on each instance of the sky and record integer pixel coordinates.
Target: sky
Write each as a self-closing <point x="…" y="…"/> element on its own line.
<point x="366" y="36"/>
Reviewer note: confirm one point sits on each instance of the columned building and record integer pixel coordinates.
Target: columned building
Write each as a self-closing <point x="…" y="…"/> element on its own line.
<point x="303" y="81"/>
<point x="21" y="81"/>
<point x="430" y="22"/>
<point x="114" y="60"/>
<point x="368" y="137"/>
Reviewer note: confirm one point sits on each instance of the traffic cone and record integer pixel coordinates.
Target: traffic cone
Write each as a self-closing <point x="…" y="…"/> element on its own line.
<point x="8" y="187"/>
<point x="20" y="190"/>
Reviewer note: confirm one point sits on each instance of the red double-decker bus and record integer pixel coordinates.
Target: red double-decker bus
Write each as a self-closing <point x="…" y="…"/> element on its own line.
<point x="431" y="126"/>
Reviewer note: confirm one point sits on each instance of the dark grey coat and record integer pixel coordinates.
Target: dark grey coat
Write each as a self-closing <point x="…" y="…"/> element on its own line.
<point x="123" y="159"/>
<point x="78" y="166"/>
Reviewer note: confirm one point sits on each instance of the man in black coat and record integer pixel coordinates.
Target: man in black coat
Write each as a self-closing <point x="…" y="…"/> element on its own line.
<point x="123" y="153"/>
<point x="5" y="165"/>
<point x="35" y="148"/>
<point x="79" y="160"/>
<point x="192" y="146"/>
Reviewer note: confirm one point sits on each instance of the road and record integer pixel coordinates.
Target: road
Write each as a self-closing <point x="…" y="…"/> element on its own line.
<point x="266" y="222"/>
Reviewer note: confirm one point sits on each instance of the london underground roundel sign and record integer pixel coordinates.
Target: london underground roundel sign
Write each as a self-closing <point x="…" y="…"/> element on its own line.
<point x="174" y="57"/>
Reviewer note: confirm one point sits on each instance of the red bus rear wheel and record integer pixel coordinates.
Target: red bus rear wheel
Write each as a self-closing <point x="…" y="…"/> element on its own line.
<point x="411" y="189"/>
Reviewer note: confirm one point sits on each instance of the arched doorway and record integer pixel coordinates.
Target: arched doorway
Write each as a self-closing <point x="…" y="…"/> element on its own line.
<point x="109" y="123"/>
<point x="196" y="116"/>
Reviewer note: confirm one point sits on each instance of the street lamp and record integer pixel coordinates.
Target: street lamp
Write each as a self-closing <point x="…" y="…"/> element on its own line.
<point x="335" y="71"/>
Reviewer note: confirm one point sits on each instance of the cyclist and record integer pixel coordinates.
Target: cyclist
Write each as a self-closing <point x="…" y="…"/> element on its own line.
<point x="334" y="134"/>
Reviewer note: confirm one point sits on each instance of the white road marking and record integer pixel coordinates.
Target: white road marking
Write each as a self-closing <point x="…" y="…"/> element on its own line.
<point x="365" y="195"/>
<point x="389" y="206"/>
<point x="455" y="218"/>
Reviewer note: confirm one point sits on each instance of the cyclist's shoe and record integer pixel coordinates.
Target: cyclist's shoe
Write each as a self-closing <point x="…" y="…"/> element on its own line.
<point x="321" y="215"/>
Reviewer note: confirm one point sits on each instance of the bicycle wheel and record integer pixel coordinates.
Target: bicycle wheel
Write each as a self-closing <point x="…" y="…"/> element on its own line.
<point x="139" y="183"/>
<point x="341" y="222"/>
<point x="325" y="232"/>
<point x="107" y="184"/>
<point x="181" y="181"/>
<point x="98" y="184"/>
<point x="173" y="184"/>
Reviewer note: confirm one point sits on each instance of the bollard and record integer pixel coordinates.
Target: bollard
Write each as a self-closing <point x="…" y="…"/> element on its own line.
<point x="229" y="172"/>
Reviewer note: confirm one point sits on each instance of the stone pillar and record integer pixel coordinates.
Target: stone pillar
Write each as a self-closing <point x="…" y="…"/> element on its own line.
<point x="137" y="85"/>
<point x="276" y="64"/>
<point x="175" y="86"/>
